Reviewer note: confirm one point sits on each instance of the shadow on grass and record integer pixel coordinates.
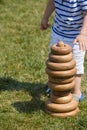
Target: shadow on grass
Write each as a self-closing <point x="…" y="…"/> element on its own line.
<point x="1" y="1"/>
<point x="36" y="90"/>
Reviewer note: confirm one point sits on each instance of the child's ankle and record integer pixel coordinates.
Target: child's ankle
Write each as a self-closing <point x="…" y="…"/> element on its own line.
<point x="78" y="93"/>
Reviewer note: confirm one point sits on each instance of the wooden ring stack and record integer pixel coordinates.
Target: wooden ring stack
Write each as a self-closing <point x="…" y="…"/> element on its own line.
<point x="61" y="70"/>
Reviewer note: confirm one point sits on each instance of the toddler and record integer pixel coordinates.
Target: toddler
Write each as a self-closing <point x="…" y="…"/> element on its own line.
<point x="69" y="26"/>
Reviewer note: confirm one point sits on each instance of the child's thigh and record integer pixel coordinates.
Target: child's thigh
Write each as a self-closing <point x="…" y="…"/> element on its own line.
<point x="55" y="39"/>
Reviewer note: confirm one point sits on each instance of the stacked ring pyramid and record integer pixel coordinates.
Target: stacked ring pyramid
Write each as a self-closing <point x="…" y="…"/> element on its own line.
<point x="61" y="70"/>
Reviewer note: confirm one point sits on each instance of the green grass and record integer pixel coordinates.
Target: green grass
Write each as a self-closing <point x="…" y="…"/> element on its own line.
<point x="23" y="52"/>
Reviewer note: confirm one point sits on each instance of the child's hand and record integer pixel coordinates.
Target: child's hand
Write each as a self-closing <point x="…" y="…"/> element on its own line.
<point x="82" y="41"/>
<point x="44" y="24"/>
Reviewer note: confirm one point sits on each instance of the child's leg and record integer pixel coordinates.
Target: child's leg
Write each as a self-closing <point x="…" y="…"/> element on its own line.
<point x="79" y="58"/>
<point x="77" y="88"/>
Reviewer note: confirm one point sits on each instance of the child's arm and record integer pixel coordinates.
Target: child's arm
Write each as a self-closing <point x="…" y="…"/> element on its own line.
<point x="48" y="11"/>
<point x="82" y="37"/>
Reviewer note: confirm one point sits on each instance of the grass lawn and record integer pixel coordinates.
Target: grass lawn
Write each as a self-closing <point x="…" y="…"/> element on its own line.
<point x="23" y="52"/>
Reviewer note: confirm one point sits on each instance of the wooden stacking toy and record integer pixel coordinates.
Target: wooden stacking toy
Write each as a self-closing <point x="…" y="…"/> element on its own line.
<point x="61" y="70"/>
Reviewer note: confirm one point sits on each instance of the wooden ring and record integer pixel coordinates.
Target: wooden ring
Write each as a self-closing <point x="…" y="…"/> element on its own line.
<point x="60" y="66"/>
<point x="61" y="99"/>
<point x="61" y="93"/>
<point x="58" y="50"/>
<point x="61" y="80"/>
<point x="61" y="107"/>
<point x="61" y="58"/>
<point x="67" y="73"/>
<point x="63" y="115"/>
<point x="61" y="87"/>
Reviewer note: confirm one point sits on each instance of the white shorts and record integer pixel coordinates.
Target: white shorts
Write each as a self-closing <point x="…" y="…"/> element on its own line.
<point x="77" y="53"/>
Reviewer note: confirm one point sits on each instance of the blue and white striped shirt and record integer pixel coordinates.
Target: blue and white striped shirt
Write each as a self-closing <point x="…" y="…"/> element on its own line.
<point x="69" y="17"/>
